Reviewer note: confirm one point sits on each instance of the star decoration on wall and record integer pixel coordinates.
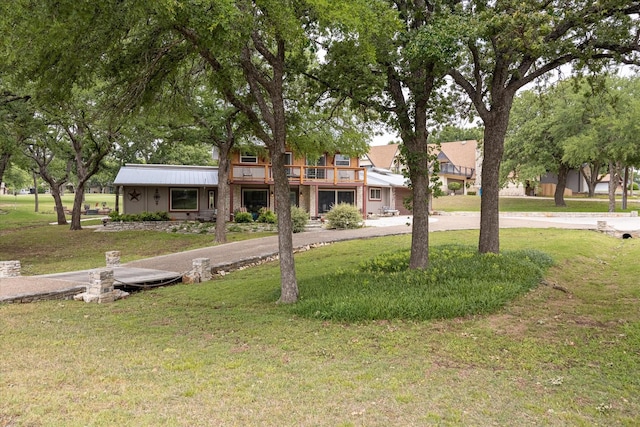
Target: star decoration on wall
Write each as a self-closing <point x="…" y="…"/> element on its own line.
<point x="134" y="195"/>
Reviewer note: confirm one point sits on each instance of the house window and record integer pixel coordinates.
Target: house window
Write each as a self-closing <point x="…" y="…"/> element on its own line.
<point x="328" y="198"/>
<point x="375" y="194"/>
<point x="288" y="161"/>
<point x="313" y="173"/>
<point x="342" y="160"/>
<point x="254" y="200"/>
<point x="248" y="158"/>
<point x="184" y="199"/>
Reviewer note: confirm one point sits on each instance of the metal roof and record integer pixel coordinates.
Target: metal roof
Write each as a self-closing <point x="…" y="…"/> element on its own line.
<point x="167" y="175"/>
<point x="385" y="179"/>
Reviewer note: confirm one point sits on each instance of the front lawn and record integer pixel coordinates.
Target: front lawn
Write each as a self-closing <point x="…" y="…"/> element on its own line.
<point x="223" y="353"/>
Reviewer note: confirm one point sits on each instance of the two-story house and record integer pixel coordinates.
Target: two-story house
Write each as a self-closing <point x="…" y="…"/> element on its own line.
<point x="189" y="192"/>
<point x="459" y="161"/>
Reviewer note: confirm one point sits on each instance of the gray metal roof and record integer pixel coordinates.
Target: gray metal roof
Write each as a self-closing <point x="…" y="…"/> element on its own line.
<point x="385" y="179"/>
<point x="167" y="175"/>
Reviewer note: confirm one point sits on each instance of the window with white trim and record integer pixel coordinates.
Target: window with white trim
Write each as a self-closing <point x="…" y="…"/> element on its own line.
<point x="375" y="194"/>
<point x="248" y="158"/>
<point x="342" y="160"/>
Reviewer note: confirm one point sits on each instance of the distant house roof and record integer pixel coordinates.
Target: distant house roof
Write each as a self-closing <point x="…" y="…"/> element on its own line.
<point x="462" y="153"/>
<point x="131" y="174"/>
<point x="383" y="156"/>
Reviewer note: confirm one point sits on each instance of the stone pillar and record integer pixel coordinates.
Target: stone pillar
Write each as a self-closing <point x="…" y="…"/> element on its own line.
<point x="113" y="258"/>
<point x="200" y="271"/>
<point x="100" y="288"/>
<point x="202" y="267"/>
<point x="9" y="269"/>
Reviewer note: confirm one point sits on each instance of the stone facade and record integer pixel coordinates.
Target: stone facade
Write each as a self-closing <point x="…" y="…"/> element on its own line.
<point x="113" y="258"/>
<point x="100" y="288"/>
<point x="9" y="269"/>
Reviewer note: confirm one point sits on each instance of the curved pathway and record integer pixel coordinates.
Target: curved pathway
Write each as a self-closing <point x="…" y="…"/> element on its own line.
<point x="224" y="257"/>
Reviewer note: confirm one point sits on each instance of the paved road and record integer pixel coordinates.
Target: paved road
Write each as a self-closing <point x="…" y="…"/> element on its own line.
<point x="222" y="256"/>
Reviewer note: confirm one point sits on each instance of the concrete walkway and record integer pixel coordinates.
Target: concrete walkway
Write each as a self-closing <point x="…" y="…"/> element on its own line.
<point x="225" y="257"/>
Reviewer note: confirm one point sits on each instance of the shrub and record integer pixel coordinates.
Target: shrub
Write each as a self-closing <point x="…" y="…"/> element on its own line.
<point x="242" y="217"/>
<point x="344" y="216"/>
<point x="267" y="216"/>
<point x="299" y="219"/>
<point x="454" y="186"/>
<point x="471" y="193"/>
<point x="143" y="216"/>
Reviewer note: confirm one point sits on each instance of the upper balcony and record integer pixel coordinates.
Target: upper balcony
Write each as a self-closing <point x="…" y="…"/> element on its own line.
<point x="246" y="173"/>
<point x="451" y="169"/>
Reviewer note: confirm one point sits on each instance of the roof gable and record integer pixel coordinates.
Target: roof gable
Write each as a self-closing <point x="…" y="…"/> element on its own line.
<point x="383" y="156"/>
<point x="459" y="153"/>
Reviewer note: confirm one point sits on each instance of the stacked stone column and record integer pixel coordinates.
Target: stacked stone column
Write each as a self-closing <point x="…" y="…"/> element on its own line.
<point x="9" y="269"/>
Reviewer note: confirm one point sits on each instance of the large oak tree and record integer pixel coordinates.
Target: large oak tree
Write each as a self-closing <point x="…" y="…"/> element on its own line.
<point x="509" y="44"/>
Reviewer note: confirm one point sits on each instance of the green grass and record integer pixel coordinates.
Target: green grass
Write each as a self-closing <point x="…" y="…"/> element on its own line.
<point x="222" y="353"/>
<point x="43" y="248"/>
<point x="459" y="282"/>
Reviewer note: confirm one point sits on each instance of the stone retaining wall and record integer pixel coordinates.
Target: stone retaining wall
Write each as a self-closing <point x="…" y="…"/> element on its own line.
<point x="184" y="227"/>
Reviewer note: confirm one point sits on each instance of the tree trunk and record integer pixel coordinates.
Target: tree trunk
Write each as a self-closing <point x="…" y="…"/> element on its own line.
<point x="4" y="162"/>
<point x="558" y="196"/>
<point x="223" y="201"/>
<point x="591" y="178"/>
<point x="493" y="147"/>
<point x="277" y="150"/>
<point x="625" y="186"/>
<point x="420" y="227"/>
<point x="78" y="199"/>
<point x="35" y="188"/>
<point x="57" y="199"/>
<point x="613" y="183"/>
<point x="288" y="281"/>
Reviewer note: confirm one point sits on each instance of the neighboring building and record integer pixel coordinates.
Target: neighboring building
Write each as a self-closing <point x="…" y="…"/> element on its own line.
<point x="384" y="157"/>
<point x="576" y="184"/>
<point x="460" y="161"/>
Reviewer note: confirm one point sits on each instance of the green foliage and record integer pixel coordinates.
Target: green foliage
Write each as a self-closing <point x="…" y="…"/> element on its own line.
<point x="454" y="186"/>
<point x="299" y="219"/>
<point x="458" y="282"/>
<point x="143" y="216"/>
<point x="344" y="216"/>
<point x="243" y="217"/>
<point x="267" y="216"/>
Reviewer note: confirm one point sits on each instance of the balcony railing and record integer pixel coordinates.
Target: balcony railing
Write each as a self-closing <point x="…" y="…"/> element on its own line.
<point x="299" y="174"/>
<point x="451" y="169"/>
